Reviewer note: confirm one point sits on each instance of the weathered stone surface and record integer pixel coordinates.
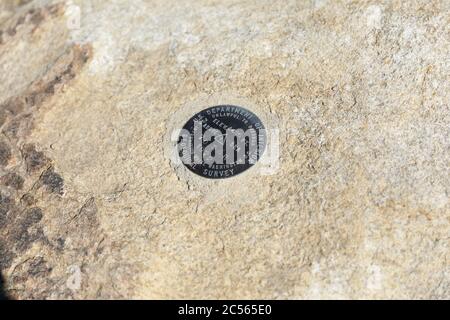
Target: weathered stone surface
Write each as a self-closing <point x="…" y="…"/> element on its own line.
<point x="91" y="205"/>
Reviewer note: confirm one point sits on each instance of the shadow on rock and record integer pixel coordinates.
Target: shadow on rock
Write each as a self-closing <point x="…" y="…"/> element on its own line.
<point x="3" y="295"/>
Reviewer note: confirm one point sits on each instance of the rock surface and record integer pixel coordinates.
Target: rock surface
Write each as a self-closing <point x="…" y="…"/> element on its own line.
<point x="91" y="205"/>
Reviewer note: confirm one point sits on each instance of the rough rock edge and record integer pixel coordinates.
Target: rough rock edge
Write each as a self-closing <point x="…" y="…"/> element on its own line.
<point x="22" y="164"/>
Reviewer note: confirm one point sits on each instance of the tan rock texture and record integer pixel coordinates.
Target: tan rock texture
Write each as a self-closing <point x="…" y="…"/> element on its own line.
<point x="91" y="205"/>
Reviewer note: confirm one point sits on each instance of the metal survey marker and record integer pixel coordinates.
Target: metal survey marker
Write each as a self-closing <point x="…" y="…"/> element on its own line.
<point x="221" y="141"/>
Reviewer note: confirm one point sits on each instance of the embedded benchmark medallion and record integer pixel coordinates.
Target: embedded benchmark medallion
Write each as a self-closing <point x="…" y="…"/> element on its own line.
<point x="221" y="141"/>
